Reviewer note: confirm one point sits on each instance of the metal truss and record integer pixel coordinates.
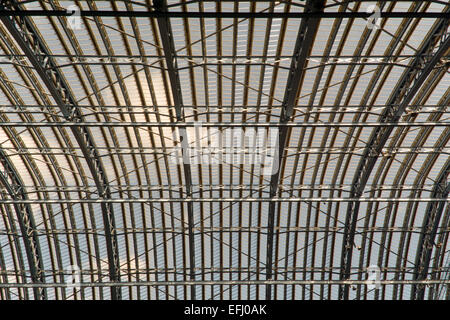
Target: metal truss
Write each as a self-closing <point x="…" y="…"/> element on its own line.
<point x="36" y="51"/>
<point x="444" y="291"/>
<point x="404" y="92"/>
<point x="91" y="117"/>
<point x="432" y="218"/>
<point x="10" y="180"/>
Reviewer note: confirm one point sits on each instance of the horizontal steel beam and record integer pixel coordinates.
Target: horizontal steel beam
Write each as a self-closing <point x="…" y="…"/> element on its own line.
<point x="224" y="15"/>
<point x="225" y="282"/>
<point x="158" y="187"/>
<point x="237" y="106"/>
<point x="203" y="231"/>
<point x="100" y="231"/>
<point x="216" y="269"/>
<point x="207" y="56"/>
<point x="136" y="150"/>
<point x="224" y="124"/>
<point x="187" y="200"/>
<point x="14" y="111"/>
<point x="217" y="153"/>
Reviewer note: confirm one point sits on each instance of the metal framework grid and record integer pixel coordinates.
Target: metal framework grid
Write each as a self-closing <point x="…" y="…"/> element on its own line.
<point x="97" y="110"/>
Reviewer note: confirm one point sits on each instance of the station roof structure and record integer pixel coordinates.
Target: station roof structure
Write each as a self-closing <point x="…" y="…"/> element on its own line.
<point x="117" y="182"/>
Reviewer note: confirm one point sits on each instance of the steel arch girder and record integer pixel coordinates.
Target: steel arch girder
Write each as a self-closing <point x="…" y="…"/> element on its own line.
<point x="24" y="33"/>
<point x="403" y="93"/>
<point x="165" y="32"/>
<point x="432" y="217"/>
<point x="305" y="38"/>
<point x="10" y="179"/>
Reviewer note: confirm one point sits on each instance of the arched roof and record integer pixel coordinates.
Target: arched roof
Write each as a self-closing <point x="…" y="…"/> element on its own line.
<point x="101" y="112"/>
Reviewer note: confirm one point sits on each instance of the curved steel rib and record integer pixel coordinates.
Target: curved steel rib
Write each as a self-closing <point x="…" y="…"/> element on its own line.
<point x="305" y="38"/>
<point x="24" y="33"/>
<point x="165" y="32"/>
<point x="406" y="88"/>
<point x="432" y="218"/>
<point x="10" y="179"/>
